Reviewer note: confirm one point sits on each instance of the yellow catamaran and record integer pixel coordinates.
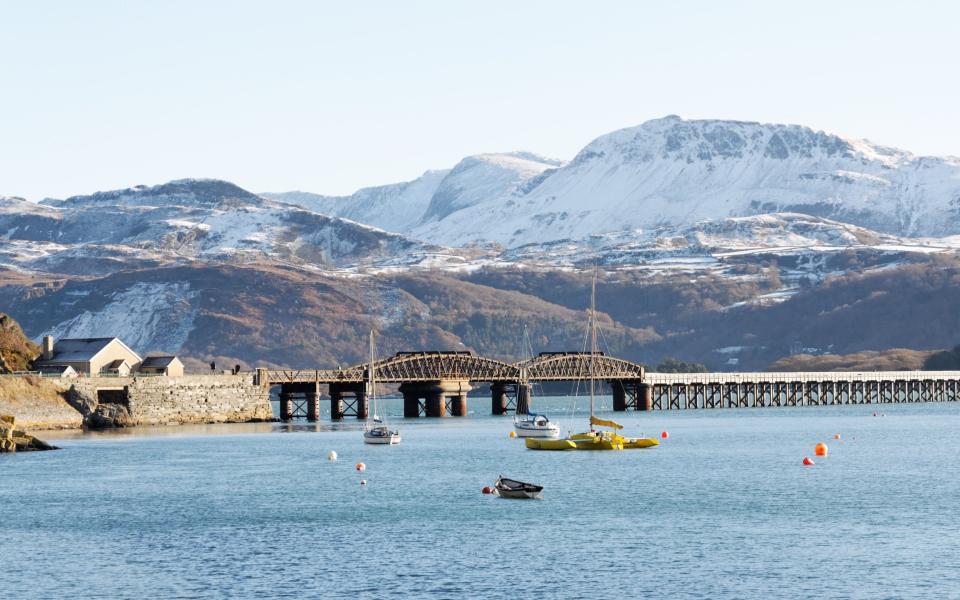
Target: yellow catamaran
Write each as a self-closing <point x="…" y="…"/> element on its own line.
<point x="595" y="439"/>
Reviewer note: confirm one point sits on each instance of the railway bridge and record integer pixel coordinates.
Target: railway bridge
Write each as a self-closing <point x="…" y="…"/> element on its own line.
<point x="436" y="383"/>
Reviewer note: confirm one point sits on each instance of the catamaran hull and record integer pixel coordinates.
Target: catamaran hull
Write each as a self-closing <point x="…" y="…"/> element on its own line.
<point x="549" y="444"/>
<point x="629" y="443"/>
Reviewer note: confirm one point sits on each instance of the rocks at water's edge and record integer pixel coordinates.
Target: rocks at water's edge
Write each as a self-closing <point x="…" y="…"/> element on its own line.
<point x="16" y="440"/>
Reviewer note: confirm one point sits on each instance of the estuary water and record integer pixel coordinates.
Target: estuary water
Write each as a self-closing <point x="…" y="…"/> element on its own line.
<point x="722" y="509"/>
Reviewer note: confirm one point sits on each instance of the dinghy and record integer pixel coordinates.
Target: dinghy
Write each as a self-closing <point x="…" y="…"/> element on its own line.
<point x="511" y="488"/>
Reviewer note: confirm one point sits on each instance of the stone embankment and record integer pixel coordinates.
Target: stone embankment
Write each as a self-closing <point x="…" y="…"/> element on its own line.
<point x="40" y="403"/>
<point x="129" y="401"/>
<point x="17" y="440"/>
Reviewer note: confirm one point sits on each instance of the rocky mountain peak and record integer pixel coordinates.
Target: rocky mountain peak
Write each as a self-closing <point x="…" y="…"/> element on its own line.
<point x="180" y="192"/>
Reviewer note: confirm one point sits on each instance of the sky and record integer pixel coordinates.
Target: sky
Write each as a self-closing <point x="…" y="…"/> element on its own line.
<point x="329" y="97"/>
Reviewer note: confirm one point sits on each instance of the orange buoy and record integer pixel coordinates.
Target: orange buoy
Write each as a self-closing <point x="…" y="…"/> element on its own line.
<point x="487" y="489"/>
<point x="361" y="467"/>
<point x="836" y="436"/>
<point x="513" y="434"/>
<point x="664" y="434"/>
<point x="808" y="462"/>
<point x="363" y="482"/>
<point x="820" y="449"/>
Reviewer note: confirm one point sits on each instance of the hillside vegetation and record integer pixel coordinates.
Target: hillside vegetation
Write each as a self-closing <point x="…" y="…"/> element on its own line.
<point x="277" y="315"/>
<point x="895" y="359"/>
<point x="16" y="351"/>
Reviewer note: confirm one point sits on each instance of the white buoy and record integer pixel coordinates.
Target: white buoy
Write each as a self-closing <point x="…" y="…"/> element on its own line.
<point x="332" y="455"/>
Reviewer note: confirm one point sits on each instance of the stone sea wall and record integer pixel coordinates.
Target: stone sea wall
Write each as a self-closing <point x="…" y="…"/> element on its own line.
<point x="129" y="401"/>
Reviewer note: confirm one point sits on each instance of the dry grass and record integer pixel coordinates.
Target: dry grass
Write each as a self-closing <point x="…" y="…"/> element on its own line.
<point x="16" y="390"/>
<point x="37" y="403"/>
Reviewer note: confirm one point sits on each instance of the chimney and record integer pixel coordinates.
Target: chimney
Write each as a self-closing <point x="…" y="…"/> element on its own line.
<point x="48" y="347"/>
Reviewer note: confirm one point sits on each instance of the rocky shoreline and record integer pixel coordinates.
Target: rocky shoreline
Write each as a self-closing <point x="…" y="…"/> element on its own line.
<point x="18" y="440"/>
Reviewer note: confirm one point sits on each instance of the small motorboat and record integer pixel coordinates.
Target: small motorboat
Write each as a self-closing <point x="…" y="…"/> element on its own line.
<point x="511" y="488"/>
<point x="535" y="426"/>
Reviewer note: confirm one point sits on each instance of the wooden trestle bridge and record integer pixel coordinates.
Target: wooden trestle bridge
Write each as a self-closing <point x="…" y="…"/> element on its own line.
<point x="436" y="383"/>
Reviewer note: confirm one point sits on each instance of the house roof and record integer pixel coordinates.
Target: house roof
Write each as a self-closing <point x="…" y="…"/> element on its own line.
<point x="75" y="350"/>
<point x="158" y="361"/>
<point x="59" y="369"/>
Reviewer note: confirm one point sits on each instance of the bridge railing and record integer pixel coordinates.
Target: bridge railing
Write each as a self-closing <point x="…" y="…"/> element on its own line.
<point x="806" y="376"/>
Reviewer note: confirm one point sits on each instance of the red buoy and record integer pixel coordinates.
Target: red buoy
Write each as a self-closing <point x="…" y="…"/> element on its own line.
<point x="361" y="467"/>
<point x="487" y="489"/>
<point x="807" y="461"/>
<point x="664" y="434"/>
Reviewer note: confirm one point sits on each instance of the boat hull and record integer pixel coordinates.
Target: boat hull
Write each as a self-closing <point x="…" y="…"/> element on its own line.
<point x="537" y="433"/>
<point x="517" y="490"/>
<point x="632" y="443"/>
<point x="549" y="444"/>
<point x="519" y="495"/>
<point x="386" y="438"/>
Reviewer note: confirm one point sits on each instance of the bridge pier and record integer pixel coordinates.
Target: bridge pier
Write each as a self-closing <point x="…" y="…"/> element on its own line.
<point x="299" y="400"/>
<point x="619" y="396"/>
<point x="435" y="405"/>
<point x="435" y="395"/>
<point x="348" y="399"/>
<point x="458" y="405"/>
<point x="645" y="397"/>
<point x="499" y="399"/>
<point x="524" y="391"/>
<point x="336" y="404"/>
<point x="411" y="404"/>
<point x="313" y="404"/>
<point x="631" y="394"/>
<point x="286" y="405"/>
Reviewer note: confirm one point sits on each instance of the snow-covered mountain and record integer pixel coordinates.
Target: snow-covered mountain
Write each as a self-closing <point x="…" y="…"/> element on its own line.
<point x="185" y="220"/>
<point x="402" y="207"/>
<point x="393" y="207"/>
<point x="675" y="172"/>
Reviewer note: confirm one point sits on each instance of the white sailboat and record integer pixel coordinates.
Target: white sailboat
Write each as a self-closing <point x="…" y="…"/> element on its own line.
<point x="532" y="425"/>
<point x="535" y="426"/>
<point x="376" y="431"/>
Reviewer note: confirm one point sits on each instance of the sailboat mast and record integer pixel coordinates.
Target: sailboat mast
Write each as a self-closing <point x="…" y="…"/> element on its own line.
<point x="593" y="337"/>
<point x="372" y="392"/>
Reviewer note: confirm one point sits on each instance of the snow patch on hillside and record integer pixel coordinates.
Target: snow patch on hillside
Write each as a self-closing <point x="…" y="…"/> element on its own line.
<point x="147" y="317"/>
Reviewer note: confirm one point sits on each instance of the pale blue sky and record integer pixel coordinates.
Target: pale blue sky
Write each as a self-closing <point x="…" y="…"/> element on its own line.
<point x="329" y="97"/>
